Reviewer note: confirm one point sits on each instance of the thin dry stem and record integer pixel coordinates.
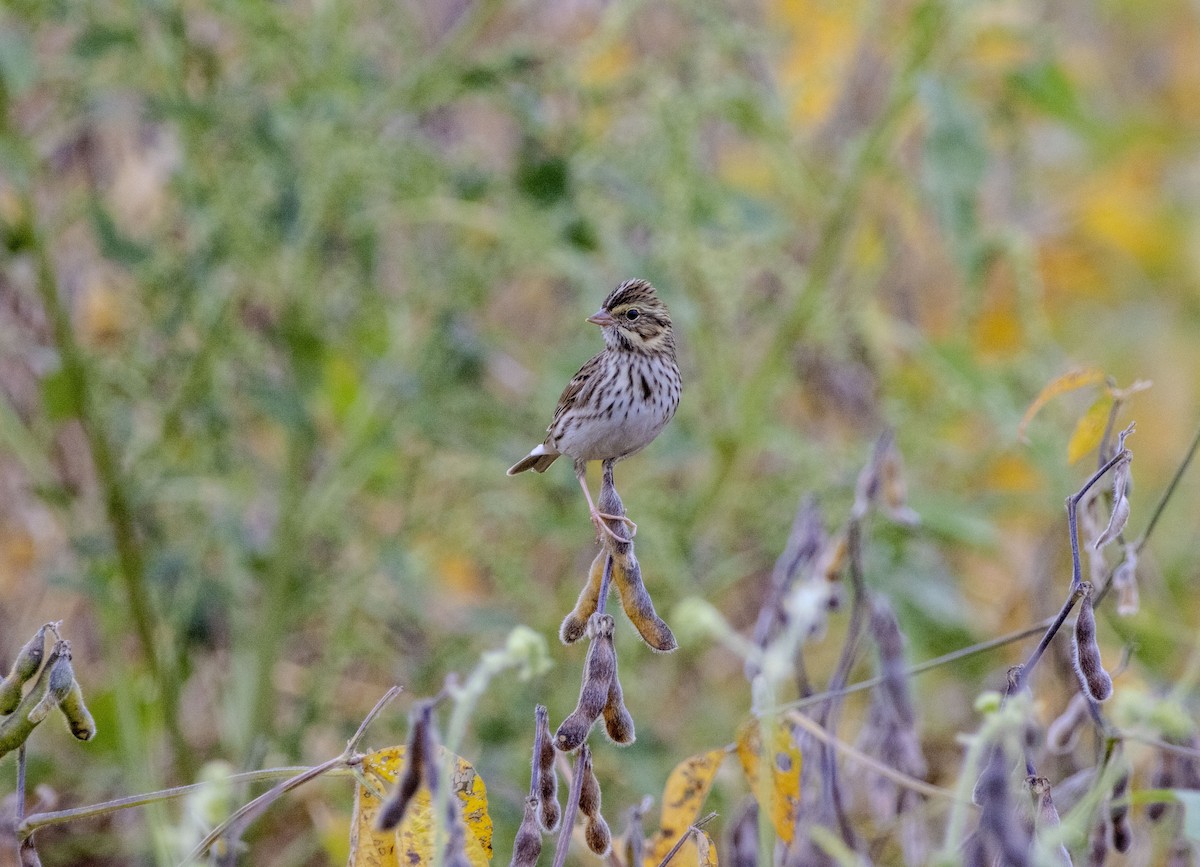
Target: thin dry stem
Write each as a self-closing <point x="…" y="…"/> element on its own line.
<point x="900" y="779"/>
<point x="563" y="843"/>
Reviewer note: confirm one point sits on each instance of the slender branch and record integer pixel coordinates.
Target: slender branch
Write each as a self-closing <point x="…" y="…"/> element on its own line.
<point x="692" y="830"/>
<point x="927" y="665"/>
<point x="897" y="777"/>
<point x="387" y="698"/>
<point x="1180" y="749"/>
<point x="572" y="806"/>
<point x="248" y="812"/>
<point x="1166" y="495"/>
<point x="91" y="811"/>
<point x="1022" y="676"/>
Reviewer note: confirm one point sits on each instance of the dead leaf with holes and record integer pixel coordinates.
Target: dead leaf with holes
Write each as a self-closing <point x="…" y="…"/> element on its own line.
<point x="783" y="798"/>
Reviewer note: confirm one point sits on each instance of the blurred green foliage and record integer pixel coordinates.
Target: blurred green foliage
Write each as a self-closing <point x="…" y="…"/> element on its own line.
<point x="327" y="264"/>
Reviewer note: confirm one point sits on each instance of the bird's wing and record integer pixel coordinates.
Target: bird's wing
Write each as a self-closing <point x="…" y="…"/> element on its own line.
<point x="581" y="384"/>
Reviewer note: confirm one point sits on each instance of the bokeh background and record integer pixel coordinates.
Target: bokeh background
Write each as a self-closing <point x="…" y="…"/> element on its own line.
<point x="286" y="286"/>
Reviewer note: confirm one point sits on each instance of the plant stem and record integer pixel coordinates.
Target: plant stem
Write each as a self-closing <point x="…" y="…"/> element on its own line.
<point x="130" y="559"/>
<point x="1166" y="496"/>
<point x="572" y="806"/>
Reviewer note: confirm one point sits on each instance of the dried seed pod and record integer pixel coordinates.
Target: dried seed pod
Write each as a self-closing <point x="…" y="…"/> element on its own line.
<point x="894" y="488"/>
<point x="28" y="853"/>
<point x="1047" y="813"/>
<point x="418" y="762"/>
<point x="1088" y="667"/>
<point x="1122" y="835"/>
<point x="60" y="676"/>
<point x="545" y="780"/>
<point x="456" y="842"/>
<point x="574" y="625"/>
<point x="1098" y="844"/>
<point x="79" y="718"/>
<point x="743" y="837"/>
<point x="618" y="722"/>
<point x="635" y="832"/>
<point x="638" y="607"/>
<point x="527" y="845"/>
<point x="1124" y="582"/>
<point x="589" y="789"/>
<point x="1064" y="731"/>
<point x="598" y="836"/>
<point x="28" y="661"/>
<point x="598" y="672"/>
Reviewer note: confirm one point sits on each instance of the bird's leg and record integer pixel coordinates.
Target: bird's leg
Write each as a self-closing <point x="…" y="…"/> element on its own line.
<point x="598" y="517"/>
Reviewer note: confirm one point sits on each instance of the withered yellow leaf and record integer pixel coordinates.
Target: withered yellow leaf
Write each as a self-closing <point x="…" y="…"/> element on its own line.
<point x="411" y="844"/>
<point x="785" y="760"/>
<point x="683" y="796"/>
<point x="1069" y="381"/>
<point x="1089" y="430"/>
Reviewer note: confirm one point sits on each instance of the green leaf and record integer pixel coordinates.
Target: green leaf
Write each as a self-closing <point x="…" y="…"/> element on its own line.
<point x="953" y="167"/>
<point x="1046" y="86"/>
<point x="58" y="396"/>
<point x="18" y="65"/>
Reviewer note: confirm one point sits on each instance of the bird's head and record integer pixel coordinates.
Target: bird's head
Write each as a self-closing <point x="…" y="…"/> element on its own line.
<point x="634" y="318"/>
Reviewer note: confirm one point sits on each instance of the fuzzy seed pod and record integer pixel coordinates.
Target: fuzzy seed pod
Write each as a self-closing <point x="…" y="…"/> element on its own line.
<point x="527" y="845"/>
<point x="79" y="718"/>
<point x="1162" y="777"/>
<point x="28" y="853"/>
<point x="589" y="789"/>
<point x="1064" y="731"/>
<point x="638" y="607"/>
<point x="545" y="780"/>
<point x="1047" y="814"/>
<point x="456" y="843"/>
<point x="598" y="672"/>
<point x="598" y="836"/>
<point x="618" y="722"/>
<point x="419" y="762"/>
<point x="61" y="677"/>
<point x="1088" y="667"/>
<point x="1122" y="836"/>
<point x="574" y="625"/>
<point x="25" y="666"/>
<point x="1098" y="844"/>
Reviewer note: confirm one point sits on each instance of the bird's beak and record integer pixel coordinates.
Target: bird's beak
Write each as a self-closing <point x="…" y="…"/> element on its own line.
<point x="602" y="318"/>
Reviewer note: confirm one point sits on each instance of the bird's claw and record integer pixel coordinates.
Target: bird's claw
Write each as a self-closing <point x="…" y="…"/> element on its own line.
<point x="600" y="519"/>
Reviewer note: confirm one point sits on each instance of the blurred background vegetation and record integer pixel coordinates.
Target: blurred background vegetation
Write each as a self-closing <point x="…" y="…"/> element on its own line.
<point x="286" y="286"/>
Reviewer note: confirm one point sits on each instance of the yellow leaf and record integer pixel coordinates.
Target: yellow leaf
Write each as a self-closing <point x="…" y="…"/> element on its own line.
<point x="784" y="777"/>
<point x="410" y="844"/>
<point x="683" y="796"/>
<point x="1089" y="430"/>
<point x="1070" y="381"/>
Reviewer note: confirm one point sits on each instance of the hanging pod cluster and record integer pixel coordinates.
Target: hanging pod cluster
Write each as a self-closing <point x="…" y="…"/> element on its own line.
<point x="38" y="683"/>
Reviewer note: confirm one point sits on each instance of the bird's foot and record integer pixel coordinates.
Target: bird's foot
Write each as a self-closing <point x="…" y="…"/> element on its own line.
<point x="600" y="519"/>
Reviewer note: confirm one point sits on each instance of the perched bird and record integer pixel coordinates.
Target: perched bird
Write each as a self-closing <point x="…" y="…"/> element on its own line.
<point x="619" y="401"/>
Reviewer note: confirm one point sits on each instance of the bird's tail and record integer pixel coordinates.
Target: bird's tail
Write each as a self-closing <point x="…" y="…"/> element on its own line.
<point x="538" y="459"/>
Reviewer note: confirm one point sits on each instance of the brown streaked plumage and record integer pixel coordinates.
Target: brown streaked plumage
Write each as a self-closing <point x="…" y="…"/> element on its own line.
<point x="622" y="398"/>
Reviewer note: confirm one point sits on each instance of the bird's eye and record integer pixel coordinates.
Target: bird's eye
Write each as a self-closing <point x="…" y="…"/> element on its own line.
<point x="632" y="314"/>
